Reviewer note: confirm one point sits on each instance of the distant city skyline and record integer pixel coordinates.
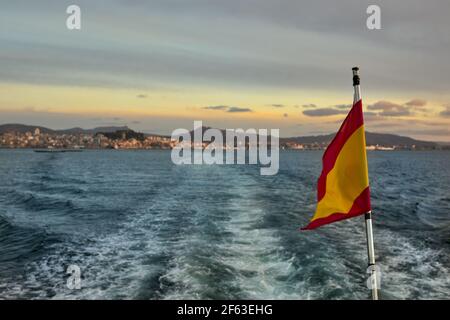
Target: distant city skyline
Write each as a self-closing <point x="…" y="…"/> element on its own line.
<point x="157" y="66"/>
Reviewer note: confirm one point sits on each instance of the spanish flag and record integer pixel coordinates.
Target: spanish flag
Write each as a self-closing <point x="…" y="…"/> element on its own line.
<point x="343" y="187"/>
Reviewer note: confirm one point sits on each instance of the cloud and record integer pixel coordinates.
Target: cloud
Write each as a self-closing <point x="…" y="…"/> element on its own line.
<point x="238" y="109"/>
<point x="309" y="106"/>
<point x="277" y="105"/>
<point x="323" y="112"/>
<point x="445" y="113"/>
<point x="228" y="109"/>
<point x="390" y="109"/>
<point x="416" y="103"/>
<point x="342" y="106"/>
<point x="141" y="96"/>
<point x="234" y="60"/>
<point x="285" y="115"/>
<point x="216" y="108"/>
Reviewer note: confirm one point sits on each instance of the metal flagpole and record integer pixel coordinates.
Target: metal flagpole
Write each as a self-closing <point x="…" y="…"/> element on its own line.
<point x="368" y="215"/>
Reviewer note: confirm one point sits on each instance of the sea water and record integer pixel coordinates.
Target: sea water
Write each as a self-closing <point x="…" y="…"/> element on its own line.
<point x="140" y="227"/>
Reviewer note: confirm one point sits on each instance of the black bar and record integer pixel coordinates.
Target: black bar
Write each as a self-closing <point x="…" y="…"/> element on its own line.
<point x="155" y="309"/>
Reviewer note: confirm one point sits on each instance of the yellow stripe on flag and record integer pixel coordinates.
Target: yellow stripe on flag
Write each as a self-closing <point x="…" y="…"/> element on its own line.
<point x="348" y="178"/>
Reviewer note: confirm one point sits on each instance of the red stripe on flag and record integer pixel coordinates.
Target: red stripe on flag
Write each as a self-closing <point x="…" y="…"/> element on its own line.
<point x="360" y="206"/>
<point x="352" y="122"/>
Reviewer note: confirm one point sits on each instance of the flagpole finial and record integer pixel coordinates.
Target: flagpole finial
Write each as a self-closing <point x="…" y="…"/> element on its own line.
<point x="356" y="79"/>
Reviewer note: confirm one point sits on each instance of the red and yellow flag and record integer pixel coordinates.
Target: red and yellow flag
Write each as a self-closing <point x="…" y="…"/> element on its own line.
<point x="343" y="187"/>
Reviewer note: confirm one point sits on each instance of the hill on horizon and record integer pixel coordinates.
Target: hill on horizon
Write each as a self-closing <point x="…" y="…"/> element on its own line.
<point x="372" y="138"/>
<point x="23" y="128"/>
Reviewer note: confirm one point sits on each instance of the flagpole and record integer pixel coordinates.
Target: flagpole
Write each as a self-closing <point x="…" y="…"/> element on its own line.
<point x="368" y="215"/>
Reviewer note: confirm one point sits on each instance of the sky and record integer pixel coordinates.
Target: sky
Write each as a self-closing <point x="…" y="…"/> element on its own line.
<point x="158" y="65"/>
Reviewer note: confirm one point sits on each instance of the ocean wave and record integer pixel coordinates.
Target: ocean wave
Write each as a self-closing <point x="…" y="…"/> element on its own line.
<point x="142" y="228"/>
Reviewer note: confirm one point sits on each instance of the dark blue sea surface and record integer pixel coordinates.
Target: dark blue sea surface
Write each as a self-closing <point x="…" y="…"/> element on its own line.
<point x="140" y="227"/>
